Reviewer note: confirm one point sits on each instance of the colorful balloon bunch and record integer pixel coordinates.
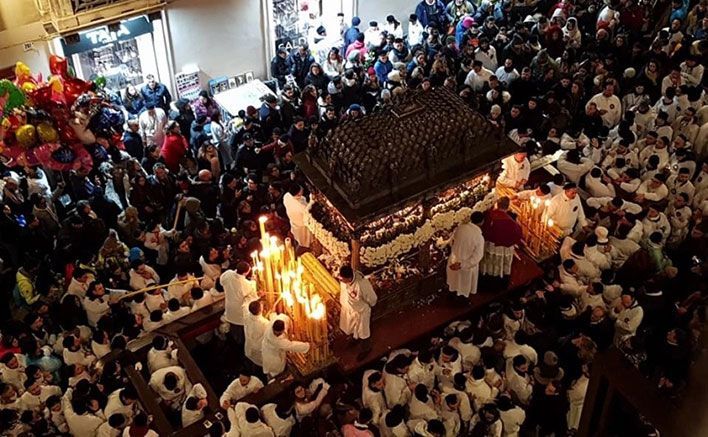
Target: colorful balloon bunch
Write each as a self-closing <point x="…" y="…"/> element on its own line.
<point x="52" y="123"/>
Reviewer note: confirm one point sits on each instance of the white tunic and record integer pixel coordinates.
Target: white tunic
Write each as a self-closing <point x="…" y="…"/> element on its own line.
<point x="237" y="417"/>
<point x="514" y="172"/>
<point x="372" y="400"/>
<point x="275" y="348"/>
<point x="281" y="427"/>
<point x="612" y="105"/>
<point x="237" y="289"/>
<point x="356" y="300"/>
<point x="576" y="397"/>
<point x="236" y="391"/>
<point x="566" y="212"/>
<point x="296" y="209"/>
<point x="171" y="397"/>
<point x="254" y="328"/>
<point x="468" y="250"/>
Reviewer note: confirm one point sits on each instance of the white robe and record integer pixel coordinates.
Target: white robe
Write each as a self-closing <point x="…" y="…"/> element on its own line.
<point x="396" y="390"/>
<point x="356" y="300"/>
<point x="254" y="328"/>
<point x="566" y="212"/>
<point x="237" y="290"/>
<point x="235" y="391"/>
<point x="237" y="417"/>
<point x="275" y="348"/>
<point x="296" y="209"/>
<point x="468" y="250"/>
<point x="281" y="427"/>
<point x="576" y="397"/>
<point x="191" y="416"/>
<point x="514" y="172"/>
<point x="373" y="400"/>
<point x="173" y="398"/>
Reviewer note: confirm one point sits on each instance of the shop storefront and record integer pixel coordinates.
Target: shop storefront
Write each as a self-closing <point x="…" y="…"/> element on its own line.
<point x="123" y="53"/>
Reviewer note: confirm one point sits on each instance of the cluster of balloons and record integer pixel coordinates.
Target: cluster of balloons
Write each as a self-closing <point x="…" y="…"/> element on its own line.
<point x="52" y="123"/>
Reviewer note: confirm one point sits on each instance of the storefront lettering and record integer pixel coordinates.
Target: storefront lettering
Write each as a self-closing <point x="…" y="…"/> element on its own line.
<point x="103" y="36"/>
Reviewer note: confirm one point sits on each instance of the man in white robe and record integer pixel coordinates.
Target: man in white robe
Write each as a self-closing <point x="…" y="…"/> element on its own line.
<point x="356" y="297"/>
<point x="467" y="251"/>
<point x="171" y="384"/>
<point x="372" y="394"/>
<point x="279" y="418"/>
<point x="276" y="344"/>
<point x="239" y="388"/>
<point x="516" y="170"/>
<point x="566" y="210"/>
<point x="296" y="208"/>
<point x="255" y="327"/>
<point x="246" y="419"/>
<point x="237" y="289"/>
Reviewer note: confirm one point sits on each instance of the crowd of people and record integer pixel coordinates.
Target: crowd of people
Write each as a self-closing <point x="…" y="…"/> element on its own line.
<point x="619" y="91"/>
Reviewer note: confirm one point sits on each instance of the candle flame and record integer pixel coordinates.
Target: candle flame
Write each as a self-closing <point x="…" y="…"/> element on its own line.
<point x="547" y="202"/>
<point x="262" y="219"/>
<point x="550" y="222"/>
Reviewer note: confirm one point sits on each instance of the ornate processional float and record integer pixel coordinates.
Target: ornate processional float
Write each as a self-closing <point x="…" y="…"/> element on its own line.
<point x="388" y="189"/>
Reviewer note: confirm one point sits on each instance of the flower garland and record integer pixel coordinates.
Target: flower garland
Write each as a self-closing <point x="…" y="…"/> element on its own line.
<point x="337" y="248"/>
<point x="402" y="244"/>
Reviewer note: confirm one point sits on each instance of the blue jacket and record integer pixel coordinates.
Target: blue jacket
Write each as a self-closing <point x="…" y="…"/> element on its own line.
<point x="422" y="12"/>
<point x="382" y="69"/>
<point x="158" y="97"/>
<point x="299" y="66"/>
<point x="680" y="13"/>
<point x="349" y="37"/>
<point x="459" y="33"/>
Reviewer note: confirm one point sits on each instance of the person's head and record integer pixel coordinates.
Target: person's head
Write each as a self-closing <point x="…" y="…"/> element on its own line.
<point x="503" y="203"/>
<point x="346" y="274"/>
<point x="151" y="81"/>
<point x="570" y="266"/>
<point x="520" y="363"/>
<point x="477" y="218"/>
<point x="375" y="381"/>
<point x="244" y="378"/>
<point x="243" y="268"/>
<point x="278" y="327"/>
<point x="421" y="392"/>
<point x="128" y="395"/>
<point x="365" y="416"/>
<point x="570" y="190"/>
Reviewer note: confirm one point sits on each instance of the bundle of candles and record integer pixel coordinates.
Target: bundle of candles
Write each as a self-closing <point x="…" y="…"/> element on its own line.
<point x="541" y="236"/>
<point x="288" y="288"/>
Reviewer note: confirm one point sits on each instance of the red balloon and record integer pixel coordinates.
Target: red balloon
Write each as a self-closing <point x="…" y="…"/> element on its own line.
<point x="73" y="88"/>
<point x="42" y="96"/>
<point x="58" y="66"/>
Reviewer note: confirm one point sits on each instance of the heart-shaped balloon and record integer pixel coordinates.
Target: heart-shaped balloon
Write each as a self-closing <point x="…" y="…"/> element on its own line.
<point x="59" y="66"/>
<point x="47" y="133"/>
<point x="73" y="88"/>
<point x="41" y="96"/>
<point x="26" y="135"/>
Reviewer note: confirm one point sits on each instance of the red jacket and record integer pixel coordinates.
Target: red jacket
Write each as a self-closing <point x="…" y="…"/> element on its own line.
<point x="173" y="150"/>
<point x="499" y="228"/>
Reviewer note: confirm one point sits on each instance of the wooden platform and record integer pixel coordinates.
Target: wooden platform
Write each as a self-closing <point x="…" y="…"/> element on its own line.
<point x="411" y="323"/>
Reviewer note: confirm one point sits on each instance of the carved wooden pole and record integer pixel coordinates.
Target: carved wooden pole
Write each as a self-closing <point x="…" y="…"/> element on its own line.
<point x="356" y="247"/>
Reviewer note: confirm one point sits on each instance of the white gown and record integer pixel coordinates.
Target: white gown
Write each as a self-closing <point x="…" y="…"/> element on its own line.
<point x="468" y="250"/>
<point x="274" y="349"/>
<point x="356" y="299"/>
<point x="296" y="208"/>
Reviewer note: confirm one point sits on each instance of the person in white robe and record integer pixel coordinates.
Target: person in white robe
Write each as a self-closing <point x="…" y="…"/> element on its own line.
<point x="357" y="297"/>
<point x="162" y="354"/>
<point x="450" y="414"/>
<point x="279" y="418"/>
<point x="171" y="384"/>
<point x="36" y="395"/>
<point x="515" y="171"/>
<point x="123" y="401"/>
<point x="255" y="327"/>
<point x="193" y="408"/>
<point x="478" y="390"/>
<point x="276" y="344"/>
<point x="142" y="276"/>
<point x="393" y="423"/>
<point x="576" y="398"/>
<point x="372" y="394"/>
<point x="518" y="380"/>
<point x="628" y="316"/>
<point x="512" y="416"/>
<point x="467" y="250"/>
<point x="397" y="388"/>
<point x="448" y="365"/>
<point x="237" y="289"/>
<point x="423" y="404"/>
<point x="246" y="418"/>
<point x="655" y="221"/>
<point x="81" y="422"/>
<point x="12" y="371"/>
<point x="652" y="190"/>
<point x="608" y="104"/>
<point x="181" y="291"/>
<point x="308" y="399"/>
<point x="566" y="210"/>
<point x="239" y="388"/>
<point x="423" y="370"/>
<point x="296" y="208"/>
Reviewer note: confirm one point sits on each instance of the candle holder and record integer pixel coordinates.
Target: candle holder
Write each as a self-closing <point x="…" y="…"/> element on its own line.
<point x="304" y="290"/>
